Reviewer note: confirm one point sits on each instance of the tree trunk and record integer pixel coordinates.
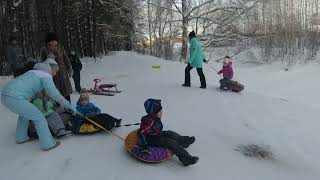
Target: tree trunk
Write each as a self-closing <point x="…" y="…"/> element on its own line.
<point x="184" y="49"/>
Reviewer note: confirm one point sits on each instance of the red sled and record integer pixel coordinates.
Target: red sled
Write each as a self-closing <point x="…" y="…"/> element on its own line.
<point x="104" y="89"/>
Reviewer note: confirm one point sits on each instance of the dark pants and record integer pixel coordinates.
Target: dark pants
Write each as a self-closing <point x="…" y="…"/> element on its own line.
<point x="225" y="84"/>
<point x="18" y="72"/>
<point x="105" y="120"/>
<point x="76" y="79"/>
<point x="68" y="98"/>
<point x="172" y="141"/>
<point x="200" y="73"/>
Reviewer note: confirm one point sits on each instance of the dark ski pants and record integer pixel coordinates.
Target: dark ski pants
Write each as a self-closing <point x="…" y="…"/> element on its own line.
<point x="173" y="141"/>
<point x="68" y="98"/>
<point x="18" y="72"/>
<point x="76" y="79"/>
<point x="225" y="83"/>
<point x="106" y="120"/>
<point x="200" y="73"/>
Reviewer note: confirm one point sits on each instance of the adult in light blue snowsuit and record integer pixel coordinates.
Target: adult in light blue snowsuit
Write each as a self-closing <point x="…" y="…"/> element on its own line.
<point x="16" y="96"/>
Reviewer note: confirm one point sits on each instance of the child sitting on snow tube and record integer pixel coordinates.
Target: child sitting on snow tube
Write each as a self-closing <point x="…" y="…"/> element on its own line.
<point x="49" y="109"/>
<point x="89" y="110"/>
<point x="151" y="134"/>
<point x="16" y="97"/>
<point x="227" y="72"/>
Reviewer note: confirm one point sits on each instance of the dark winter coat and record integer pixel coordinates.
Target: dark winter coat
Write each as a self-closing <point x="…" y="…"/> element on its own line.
<point x="151" y="125"/>
<point x="76" y="63"/>
<point x="15" y="57"/>
<point x="62" y="79"/>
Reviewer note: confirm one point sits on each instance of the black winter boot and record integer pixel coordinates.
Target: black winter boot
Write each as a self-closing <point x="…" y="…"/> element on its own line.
<point x="118" y="123"/>
<point x="189" y="160"/>
<point x="188" y="141"/>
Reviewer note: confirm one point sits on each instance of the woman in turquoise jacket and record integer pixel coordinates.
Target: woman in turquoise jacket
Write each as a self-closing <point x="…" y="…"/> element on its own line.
<point x="16" y="97"/>
<point x="195" y="61"/>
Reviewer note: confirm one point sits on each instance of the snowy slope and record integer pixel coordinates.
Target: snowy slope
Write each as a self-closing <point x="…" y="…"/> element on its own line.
<point x="280" y="116"/>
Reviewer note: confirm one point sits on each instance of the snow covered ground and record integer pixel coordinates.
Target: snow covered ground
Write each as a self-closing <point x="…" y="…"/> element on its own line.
<point x="278" y="109"/>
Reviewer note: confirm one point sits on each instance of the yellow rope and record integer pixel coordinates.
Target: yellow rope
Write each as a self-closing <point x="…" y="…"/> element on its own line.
<point x="101" y="127"/>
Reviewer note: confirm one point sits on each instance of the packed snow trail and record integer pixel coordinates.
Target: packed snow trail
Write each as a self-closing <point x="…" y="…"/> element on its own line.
<point x="220" y="121"/>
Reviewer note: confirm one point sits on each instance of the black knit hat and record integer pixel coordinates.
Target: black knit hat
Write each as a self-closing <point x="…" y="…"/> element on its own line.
<point x="192" y="34"/>
<point x="227" y="57"/>
<point x="51" y="36"/>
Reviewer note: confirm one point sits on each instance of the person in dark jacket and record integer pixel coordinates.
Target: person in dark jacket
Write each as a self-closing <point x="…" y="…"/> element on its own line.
<point x="77" y="67"/>
<point x="15" y="57"/>
<point x="55" y="50"/>
<point x="151" y="134"/>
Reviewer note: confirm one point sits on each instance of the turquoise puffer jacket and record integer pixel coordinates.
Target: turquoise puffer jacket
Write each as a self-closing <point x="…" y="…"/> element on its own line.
<point x="196" y="53"/>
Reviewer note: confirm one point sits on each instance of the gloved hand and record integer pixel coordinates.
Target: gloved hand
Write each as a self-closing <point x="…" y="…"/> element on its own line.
<point x="205" y="61"/>
<point x="70" y="107"/>
<point x="71" y="73"/>
<point x="52" y="56"/>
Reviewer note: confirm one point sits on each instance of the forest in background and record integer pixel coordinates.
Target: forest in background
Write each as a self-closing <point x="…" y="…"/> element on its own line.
<point x="282" y="30"/>
<point x="90" y="27"/>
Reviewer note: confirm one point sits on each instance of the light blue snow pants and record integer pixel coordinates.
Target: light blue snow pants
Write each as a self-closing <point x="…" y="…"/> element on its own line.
<point x="27" y="111"/>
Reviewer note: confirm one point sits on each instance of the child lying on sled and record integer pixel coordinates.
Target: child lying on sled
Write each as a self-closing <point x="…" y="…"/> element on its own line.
<point x="89" y="110"/>
<point x="151" y="134"/>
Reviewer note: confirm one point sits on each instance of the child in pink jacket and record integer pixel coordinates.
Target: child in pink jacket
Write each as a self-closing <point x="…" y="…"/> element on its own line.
<point x="227" y="72"/>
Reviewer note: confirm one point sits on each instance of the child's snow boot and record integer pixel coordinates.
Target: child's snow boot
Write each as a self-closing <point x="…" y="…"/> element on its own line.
<point x="188" y="141"/>
<point x="193" y="160"/>
<point x="63" y="132"/>
<point x="189" y="160"/>
<point x="117" y="123"/>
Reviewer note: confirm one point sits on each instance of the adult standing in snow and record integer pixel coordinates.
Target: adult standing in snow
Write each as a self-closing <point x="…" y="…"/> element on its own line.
<point x="15" y="56"/>
<point x="54" y="50"/>
<point x="195" y="61"/>
<point x="77" y="67"/>
<point x="16" y="97"/>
